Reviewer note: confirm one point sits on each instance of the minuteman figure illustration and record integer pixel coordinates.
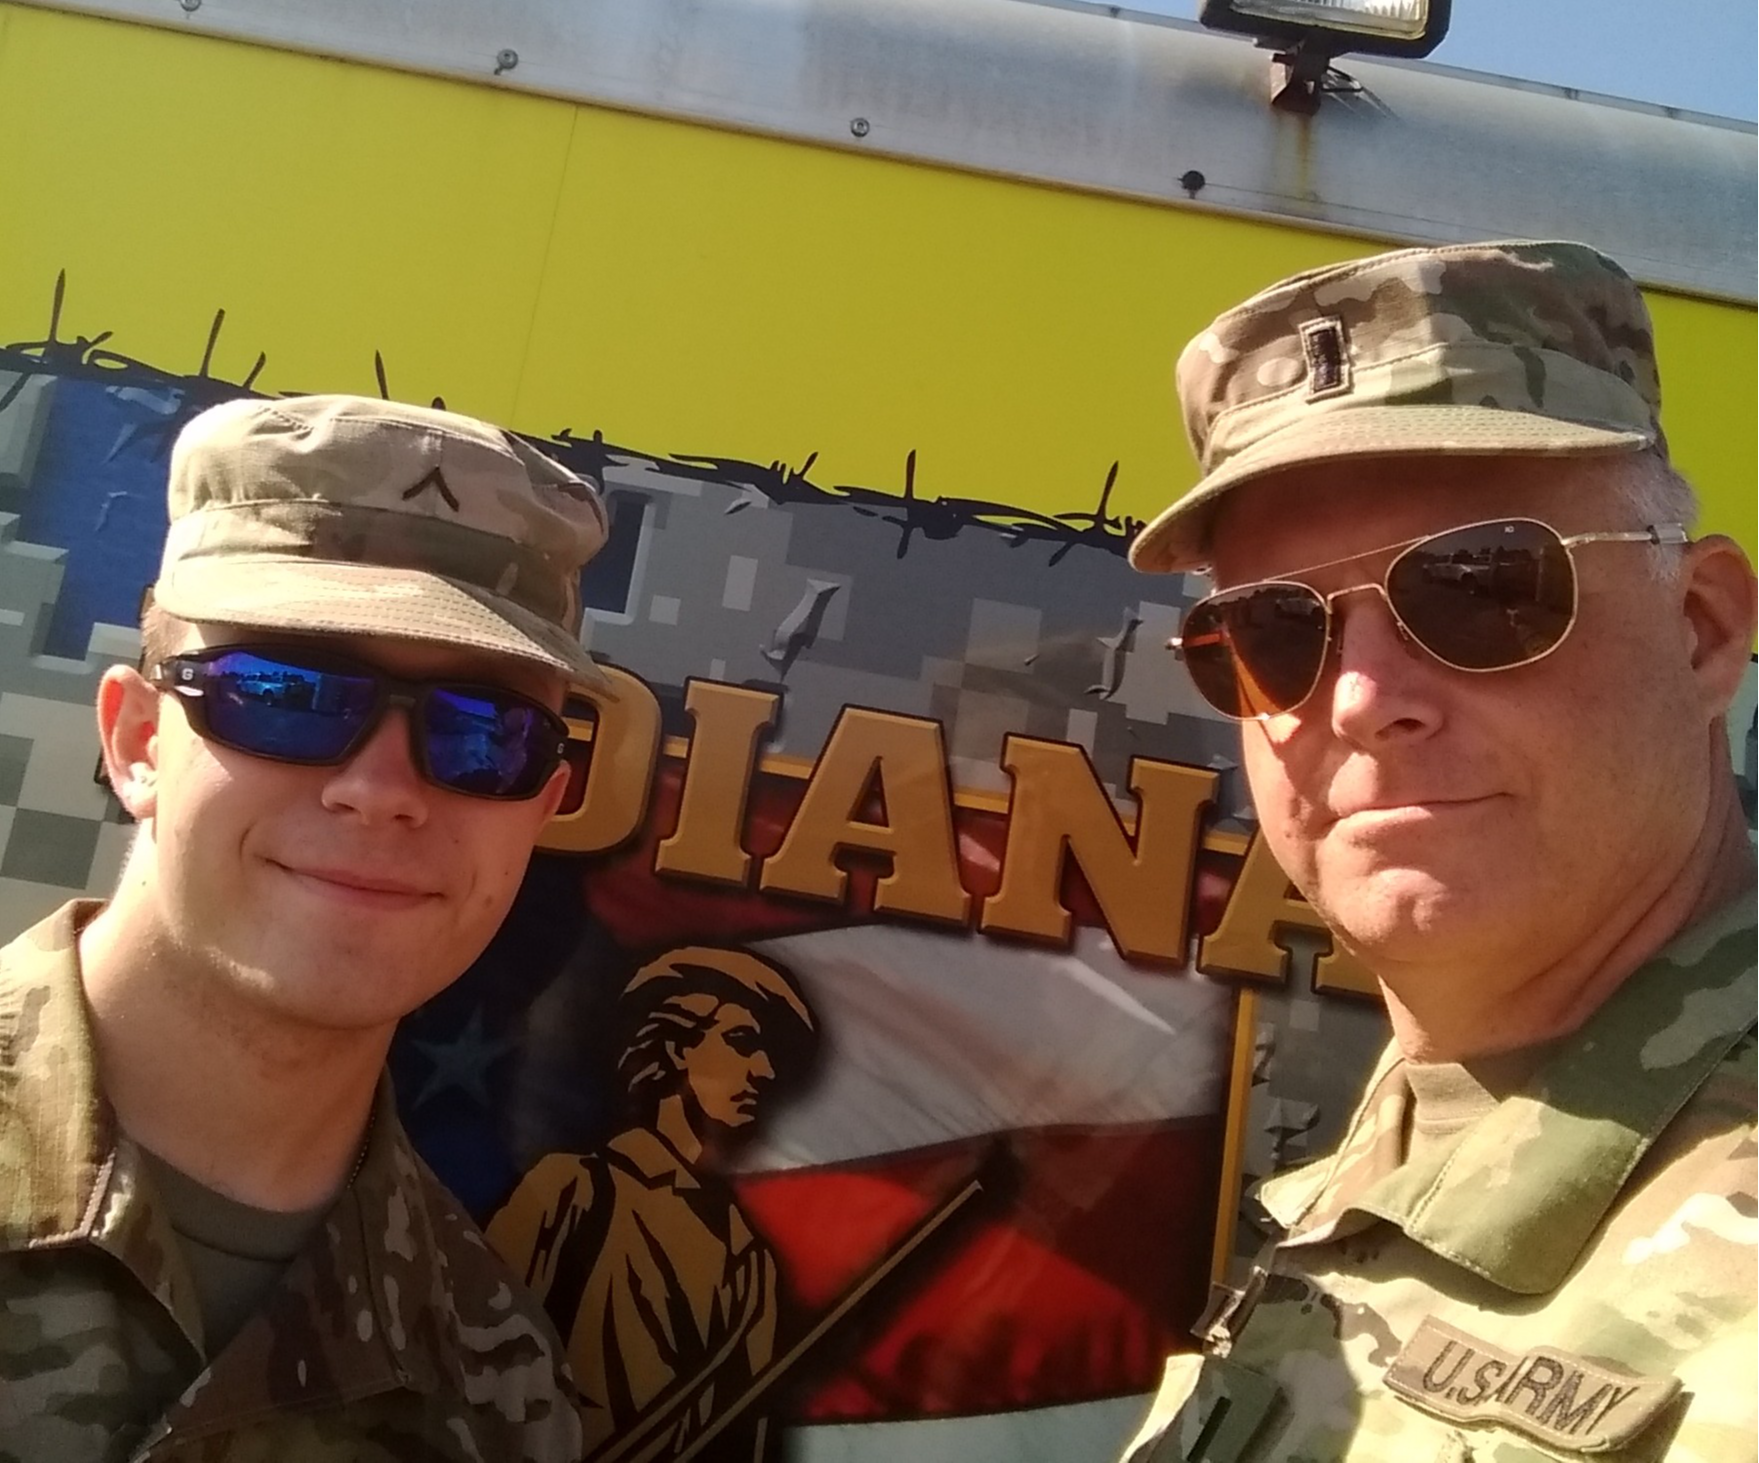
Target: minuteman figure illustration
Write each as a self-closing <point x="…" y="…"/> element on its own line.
<point x="666" y="1298"/>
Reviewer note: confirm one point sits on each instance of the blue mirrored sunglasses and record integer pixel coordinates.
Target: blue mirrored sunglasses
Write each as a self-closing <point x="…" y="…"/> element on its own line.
<point x="483" y="741"/>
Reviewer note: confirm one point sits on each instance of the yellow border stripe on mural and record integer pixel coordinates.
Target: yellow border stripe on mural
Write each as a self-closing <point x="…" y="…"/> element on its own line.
<point x="683" y="290"/>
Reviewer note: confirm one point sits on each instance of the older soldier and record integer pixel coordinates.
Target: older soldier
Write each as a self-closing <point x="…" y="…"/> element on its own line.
<point x="1482" y="672"/>
<point x="215" y="1239"/>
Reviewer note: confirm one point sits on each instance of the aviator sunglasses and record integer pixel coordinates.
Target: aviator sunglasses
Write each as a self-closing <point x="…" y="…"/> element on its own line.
<point x="483" y="741"/>
<point x="1483" y="597"/>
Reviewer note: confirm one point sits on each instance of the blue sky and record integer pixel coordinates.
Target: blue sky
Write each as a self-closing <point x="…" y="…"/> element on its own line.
<point x="1697" y="54"/>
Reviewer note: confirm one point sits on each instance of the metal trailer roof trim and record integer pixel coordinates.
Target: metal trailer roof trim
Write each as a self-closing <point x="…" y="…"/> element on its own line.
<point x="1080" y="96"/>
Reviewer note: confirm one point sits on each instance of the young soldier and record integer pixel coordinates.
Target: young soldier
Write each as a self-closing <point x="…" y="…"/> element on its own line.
<point x="215" y="1239"/>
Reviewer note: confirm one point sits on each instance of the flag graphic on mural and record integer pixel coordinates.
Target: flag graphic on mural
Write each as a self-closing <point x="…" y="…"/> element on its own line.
<point x="801" y="1090"/>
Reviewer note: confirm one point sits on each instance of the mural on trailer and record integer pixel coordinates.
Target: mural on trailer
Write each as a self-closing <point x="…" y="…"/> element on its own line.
<point x="862" y="1064"/>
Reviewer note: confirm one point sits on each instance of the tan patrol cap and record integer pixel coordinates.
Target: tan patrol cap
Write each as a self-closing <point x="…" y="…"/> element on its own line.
<point x="348" y="515"/>
<point x="1468" y="350"/>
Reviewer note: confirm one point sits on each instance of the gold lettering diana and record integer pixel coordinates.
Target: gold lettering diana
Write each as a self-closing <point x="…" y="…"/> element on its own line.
<point x="880" y="790"/>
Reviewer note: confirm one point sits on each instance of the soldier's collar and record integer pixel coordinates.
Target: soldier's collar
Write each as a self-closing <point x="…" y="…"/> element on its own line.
<point x="56" y="1131"/>
<point x="355" y="1313"/>
<point x="382" y="1297"/>
<point x="68" y="1174"/>
<point x="1516" y="1195"/>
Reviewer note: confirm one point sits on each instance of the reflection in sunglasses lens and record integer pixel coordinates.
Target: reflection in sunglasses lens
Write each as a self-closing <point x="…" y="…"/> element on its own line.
<point x="478" y="744"/>
<point x="1487" y="597"/>
<point x="274" y="709"/>
<point x="471" y="739"/>
<point x="1256" y="650"/>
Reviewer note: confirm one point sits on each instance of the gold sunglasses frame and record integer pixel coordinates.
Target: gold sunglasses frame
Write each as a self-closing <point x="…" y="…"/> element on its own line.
<point x="1671" y="535"/>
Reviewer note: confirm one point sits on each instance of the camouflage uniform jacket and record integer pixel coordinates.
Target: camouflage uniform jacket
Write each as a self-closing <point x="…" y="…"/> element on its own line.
<point x="1569" y="1277"/>
<point x="395" y="1334"/>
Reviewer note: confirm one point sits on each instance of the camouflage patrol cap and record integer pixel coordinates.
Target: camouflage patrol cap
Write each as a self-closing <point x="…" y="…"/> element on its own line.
<point x="1468" y="350"/>
<point x="348" y="515"/>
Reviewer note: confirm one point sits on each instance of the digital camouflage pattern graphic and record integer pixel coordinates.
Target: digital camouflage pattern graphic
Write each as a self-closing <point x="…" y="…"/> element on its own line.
<point x="1468" y="350"/>
<point x="395" y="1335"/>
<point x="1572" y="1275"/>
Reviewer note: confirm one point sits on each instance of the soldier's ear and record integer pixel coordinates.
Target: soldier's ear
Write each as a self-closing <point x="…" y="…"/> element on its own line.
<point x="128" y="735"/>
<point x="1719" y="608"/>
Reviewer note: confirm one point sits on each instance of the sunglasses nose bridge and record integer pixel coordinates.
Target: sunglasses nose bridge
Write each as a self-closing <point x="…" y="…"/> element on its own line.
<point x="1367" y="586"/>
<point x="400" y="696"/>
<point x="1334" y="621"/>
<point x="389" y="697"/>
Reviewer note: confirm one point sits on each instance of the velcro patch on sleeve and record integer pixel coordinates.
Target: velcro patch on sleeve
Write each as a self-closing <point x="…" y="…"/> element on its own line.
<point x="1550" y="1395"/>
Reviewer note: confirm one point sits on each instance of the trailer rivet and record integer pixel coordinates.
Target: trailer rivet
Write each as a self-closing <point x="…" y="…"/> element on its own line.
<point x="860" y="126"/>
<point x="190" y="6"/>
<point x="1192" y="182"/>
<point x="505" y="59"/>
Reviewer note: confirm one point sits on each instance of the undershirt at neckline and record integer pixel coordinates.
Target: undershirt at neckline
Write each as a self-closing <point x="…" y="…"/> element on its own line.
<point x="235" y="1251"/>
<point x="1448" y="1097"/>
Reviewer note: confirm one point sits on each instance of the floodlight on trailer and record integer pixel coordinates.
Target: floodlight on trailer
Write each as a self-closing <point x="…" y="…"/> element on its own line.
<point x="1307" y="34"/>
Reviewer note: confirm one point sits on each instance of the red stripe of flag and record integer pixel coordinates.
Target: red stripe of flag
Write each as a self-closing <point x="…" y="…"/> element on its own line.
<point x="1077" y="1292"/>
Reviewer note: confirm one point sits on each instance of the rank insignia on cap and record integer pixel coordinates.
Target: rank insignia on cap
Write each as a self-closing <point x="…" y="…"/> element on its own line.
<point x="436" y="480"/>
<point x="1518" y="347"/>
<point x="1328" y="357"/>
